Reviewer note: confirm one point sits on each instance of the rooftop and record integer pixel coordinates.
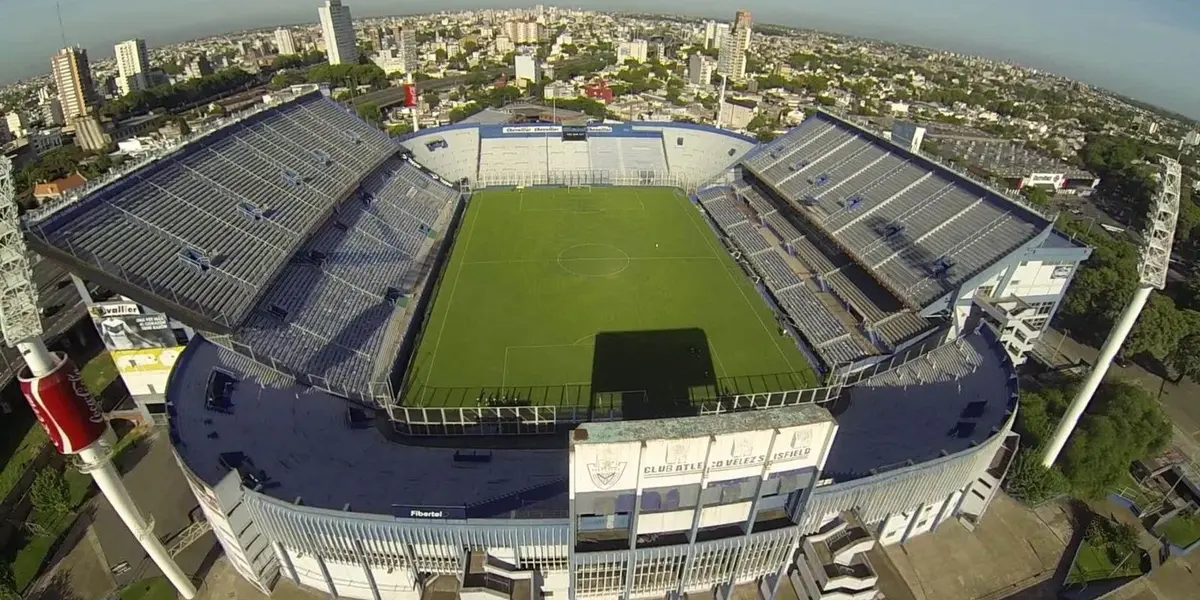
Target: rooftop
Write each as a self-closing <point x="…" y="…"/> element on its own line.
<point x="947" y="401"/>
<point x="322" y="450"/>
<point x="631" y="431"/>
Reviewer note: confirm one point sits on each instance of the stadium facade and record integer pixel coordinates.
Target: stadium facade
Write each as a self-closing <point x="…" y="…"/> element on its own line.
<point x="303" y="246"/>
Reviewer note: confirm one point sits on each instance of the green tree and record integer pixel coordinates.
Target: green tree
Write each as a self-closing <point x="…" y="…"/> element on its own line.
<point x="470" y="46"/>
<point x="1159" y="329"/>
<point x="441" y="55"/>
<point x="1036" y="196"/>
<point x="1185" y="359"/>
<point x="8" y="584"/>
<point x="49" y="493"/>
<point x="1123" y="423"/>
<point x="1030" y="482"/>
<point x="370" y="111"/>
<point x="400" y="129"/>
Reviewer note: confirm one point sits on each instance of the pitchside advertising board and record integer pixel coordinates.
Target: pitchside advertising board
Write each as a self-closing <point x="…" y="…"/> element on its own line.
<point x="63" y="405"/>
<point x="719" y="457"/>
<point x="125" y="326"/>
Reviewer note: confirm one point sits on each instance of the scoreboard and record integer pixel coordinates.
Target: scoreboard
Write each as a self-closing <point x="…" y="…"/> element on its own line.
<point x="574" y="133"/>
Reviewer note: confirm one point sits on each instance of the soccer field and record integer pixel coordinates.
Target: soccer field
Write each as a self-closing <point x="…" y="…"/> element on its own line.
<point x="585" y="296"/>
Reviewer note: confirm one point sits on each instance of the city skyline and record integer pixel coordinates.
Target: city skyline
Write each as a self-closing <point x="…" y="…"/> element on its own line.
<point x="1140" y="50"/>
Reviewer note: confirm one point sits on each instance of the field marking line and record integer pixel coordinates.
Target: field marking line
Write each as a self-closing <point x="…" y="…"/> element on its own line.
<point x="720" y="362"/>
<point x="552" y="260"/>
<point x="449" y="305"/>
<point x="638" y="195"/>
<point x="504" y="373"/>
<point x="707" y="235"/>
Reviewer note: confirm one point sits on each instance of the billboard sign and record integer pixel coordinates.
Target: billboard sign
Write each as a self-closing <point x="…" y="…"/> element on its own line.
<point x="123" y="326"/>
<point x="602" y="467"/>
<point x="64" y="406"/>
<point x="429" y="512"/>
<point x="533" y="129"/>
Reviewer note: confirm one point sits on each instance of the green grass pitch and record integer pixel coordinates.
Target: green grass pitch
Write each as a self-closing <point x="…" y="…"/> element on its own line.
<point x="557" y="296"/>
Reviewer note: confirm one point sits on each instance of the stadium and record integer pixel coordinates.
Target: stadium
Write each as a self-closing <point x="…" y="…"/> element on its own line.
<point x="595" y="360"/>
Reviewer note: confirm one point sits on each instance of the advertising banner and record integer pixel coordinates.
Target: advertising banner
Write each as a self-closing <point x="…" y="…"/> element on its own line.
<point x="604" y="467"/>
<point x="63" y="405"/>
<point x="123" y="326"/>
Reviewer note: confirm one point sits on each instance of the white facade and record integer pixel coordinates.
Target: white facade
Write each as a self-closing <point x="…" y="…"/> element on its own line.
<point x="700" y="69"/>
<point x="337" y="29"/>
<point x="285" y="41"/>
<point x="1192" y="138"/>
<point x="133" y="66"/>
<point x="504" y="44"/>
<point x="523" y="32"/>
<point x="527" y="67"/>
<point x="735" y="116"/>
<point x="717" y="34"/>
<point x="16" y="124"/>
<point x="1017" y="303"/>
<point x="635" y="49"/>
<point x="560" y="90"/>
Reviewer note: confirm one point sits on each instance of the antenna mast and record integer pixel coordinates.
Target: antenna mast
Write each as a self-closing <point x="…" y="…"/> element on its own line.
<point x="62" y="31"/>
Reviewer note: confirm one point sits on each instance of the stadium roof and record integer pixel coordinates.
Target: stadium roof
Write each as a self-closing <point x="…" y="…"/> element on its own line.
<point x="919" y="228"/>
<point x="489" y="116"/>
<point x="304" y="444"/>
<point x="947" y="401"/>
<point x="1004" y="158"/>
<point x="201" y="232"/>
<point x="327" y="453"/>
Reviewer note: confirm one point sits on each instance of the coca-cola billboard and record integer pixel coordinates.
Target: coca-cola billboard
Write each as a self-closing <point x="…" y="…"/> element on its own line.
<point x="62" y="403"/>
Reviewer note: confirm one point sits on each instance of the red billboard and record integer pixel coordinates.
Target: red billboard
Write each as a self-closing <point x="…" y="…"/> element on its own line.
<point x="60" y="401"/>
<point x="410" y="95"/>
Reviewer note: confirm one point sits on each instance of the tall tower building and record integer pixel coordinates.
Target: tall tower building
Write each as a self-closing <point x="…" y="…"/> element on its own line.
<point x="406" y="44"/>
<point x="700" y="69"/>
<point x="133" y="66"/>
<point x="337" y="29"/>
<point x="285" y="41"/>
<point x="73" y="77"/>
<point x="731" y="62"/>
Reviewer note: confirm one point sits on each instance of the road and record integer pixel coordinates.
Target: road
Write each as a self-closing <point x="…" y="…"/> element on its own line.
<point x="395" y="95"/>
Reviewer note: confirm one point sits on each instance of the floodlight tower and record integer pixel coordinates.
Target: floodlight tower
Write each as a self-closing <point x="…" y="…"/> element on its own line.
<point x="55" y="390"/>
<point x="1153" y="265"/>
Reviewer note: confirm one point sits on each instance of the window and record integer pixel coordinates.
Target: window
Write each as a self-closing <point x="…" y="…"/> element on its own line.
<point x="922" y="523"/>
<point x="678" y="141"/>
<point x="732" y="151"/>
<point x="986" y="290"/>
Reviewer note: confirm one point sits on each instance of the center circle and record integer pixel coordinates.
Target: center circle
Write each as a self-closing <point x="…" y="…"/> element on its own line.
<point x="593" y="260"/>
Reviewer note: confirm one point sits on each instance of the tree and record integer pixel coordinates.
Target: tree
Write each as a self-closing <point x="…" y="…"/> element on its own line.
<point x="1036" y="196"/>
<point x="433" y="100"/>
<point x="470" y="46"/>
<point x="400" y="129"/>
<point x="49" y="493"/>
<point x="1032" y="483"/>
<point x="1159" y="329"/>
<point x="8" y="584"/>
<point x="1123" y="423"/>
<point x="1185" y="359"/>
<point x="369" y="111"/>
<point x="441" y="55"/>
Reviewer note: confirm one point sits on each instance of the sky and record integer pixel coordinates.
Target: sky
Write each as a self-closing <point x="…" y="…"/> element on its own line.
<point x="1145" y="49"/>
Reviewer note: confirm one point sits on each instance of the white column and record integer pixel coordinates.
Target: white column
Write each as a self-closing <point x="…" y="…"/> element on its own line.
<point x="1107" y="352"/>
<point x="97" y="462"/>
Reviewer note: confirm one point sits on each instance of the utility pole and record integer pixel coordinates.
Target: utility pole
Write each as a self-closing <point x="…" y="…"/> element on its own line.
<point x="1153" y="265"/>
<point x="55" y="390"/>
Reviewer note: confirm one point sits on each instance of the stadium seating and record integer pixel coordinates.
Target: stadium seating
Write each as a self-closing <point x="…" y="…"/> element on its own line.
<point x="700" y="155"/>
<point x="812" y="316"/>
<point x="775" y="272"/>
<point x="747" y="238"/>
<point x="567" y="156"/>
<point x="921" y="228"/>
<point x="720" y="206"/>
<point x="451" y="153"/>
<point x="328" y="312"/>
<point x="207" y="226"/>
<point x="519" y="159"/>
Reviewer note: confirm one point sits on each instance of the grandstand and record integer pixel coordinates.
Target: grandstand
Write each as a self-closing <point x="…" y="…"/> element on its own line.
<point x="294" y="235"/>
<point x="315" y="256"/>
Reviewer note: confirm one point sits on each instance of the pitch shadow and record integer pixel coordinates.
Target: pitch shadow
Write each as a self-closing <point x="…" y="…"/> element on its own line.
<point x="651" y="374"/>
